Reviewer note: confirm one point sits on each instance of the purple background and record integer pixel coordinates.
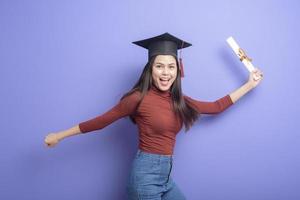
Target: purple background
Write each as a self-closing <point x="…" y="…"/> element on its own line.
<point x="64" y="62"/>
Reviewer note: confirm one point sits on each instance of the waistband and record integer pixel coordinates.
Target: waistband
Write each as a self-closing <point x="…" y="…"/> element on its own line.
<point x="155" y="156"/>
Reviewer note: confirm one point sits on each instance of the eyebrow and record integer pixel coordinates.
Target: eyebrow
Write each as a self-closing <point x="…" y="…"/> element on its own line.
<point x="163" y="64"/>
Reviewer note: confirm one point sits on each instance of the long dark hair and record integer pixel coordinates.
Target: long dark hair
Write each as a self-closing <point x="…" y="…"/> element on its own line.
<point x="187" y="114"/>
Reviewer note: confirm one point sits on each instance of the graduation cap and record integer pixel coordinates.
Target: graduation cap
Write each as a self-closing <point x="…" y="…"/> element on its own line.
<point x="164" y="44"/>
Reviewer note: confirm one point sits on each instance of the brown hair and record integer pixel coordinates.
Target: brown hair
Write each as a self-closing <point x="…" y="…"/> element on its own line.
<point x="186" y="113"/>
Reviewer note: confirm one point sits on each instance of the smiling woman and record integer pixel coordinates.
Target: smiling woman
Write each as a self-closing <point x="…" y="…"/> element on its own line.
<point x="159" y="108"/>
<point x="164" y="71"/>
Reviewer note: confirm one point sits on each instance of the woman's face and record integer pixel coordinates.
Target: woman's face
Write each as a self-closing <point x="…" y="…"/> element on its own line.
<point x="164" y="71"/>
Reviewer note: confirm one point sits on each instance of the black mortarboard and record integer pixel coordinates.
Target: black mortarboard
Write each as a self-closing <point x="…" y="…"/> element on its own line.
<point x="164" y="44"/>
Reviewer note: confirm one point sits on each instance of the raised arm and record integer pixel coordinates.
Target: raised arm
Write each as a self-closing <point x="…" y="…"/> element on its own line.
<point x="254" y="79"/>
<point x="223" y="103"/>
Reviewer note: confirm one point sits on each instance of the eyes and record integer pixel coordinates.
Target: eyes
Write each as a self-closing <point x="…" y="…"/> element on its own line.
<point x="161" y="66"/>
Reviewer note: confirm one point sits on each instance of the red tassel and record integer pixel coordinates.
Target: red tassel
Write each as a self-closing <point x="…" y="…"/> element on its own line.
<point x="181" y="68"/>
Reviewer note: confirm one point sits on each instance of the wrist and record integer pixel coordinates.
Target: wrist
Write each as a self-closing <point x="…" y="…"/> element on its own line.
<point x="249" y="85"/>
<point x="60" y="136"/>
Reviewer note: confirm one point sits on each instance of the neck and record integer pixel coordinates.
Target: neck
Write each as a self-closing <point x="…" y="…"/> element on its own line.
<point x="160" y="92"/>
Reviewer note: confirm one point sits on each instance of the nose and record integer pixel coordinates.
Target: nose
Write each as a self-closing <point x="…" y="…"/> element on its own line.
<point x="165" y="71"/>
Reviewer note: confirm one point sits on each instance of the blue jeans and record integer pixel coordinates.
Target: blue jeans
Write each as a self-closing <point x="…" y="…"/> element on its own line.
<point x="150" y="178"/>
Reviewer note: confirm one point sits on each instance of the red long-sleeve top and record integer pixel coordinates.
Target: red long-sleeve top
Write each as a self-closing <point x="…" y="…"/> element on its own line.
<point x="157" y="122"/>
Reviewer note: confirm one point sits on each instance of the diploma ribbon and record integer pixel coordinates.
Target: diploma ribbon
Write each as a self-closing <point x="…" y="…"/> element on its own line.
<point x="242" y="54"/>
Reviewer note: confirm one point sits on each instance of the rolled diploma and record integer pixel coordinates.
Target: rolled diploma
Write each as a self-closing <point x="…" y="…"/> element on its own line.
<point x="235" y="47"/>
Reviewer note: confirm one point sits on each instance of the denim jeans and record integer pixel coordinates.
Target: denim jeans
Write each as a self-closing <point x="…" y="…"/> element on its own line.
<point x="150" y="178"/>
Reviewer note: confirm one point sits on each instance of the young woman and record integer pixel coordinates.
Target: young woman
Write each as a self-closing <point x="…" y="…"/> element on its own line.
<point x="159" y="108"/>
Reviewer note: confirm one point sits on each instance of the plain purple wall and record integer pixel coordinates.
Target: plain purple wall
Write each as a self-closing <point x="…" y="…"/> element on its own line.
<point x="64" y="62"/>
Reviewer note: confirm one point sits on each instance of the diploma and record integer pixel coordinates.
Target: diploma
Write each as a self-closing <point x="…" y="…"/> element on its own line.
<point x="241" y="54"/>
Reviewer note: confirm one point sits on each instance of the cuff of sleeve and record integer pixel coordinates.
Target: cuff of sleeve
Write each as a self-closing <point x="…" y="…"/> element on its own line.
<point x="81" y="128"/>
<point x="229" y="100"/>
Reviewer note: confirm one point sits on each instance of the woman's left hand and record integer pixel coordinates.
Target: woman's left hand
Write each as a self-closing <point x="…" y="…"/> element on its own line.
<point x="255" y="77"/>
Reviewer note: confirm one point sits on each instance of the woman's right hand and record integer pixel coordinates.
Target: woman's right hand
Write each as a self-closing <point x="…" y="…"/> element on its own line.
<point x="255" y="77"/>
<point x="51" y="139"/>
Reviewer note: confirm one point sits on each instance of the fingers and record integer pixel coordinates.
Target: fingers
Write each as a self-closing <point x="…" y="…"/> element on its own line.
<point x="255" y="77"/>
<point x="50" y="140"/>
<point x="257" y="74"/>
<point x="47" y="144"/>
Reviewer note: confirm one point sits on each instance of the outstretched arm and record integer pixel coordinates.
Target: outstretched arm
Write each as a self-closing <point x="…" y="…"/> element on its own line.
<point x="53" y="138"/>
<point x="124" y="108"/>
<point x="254" y="79"/>
<point x="223" y="103"/>
<point x="207" y="107"/>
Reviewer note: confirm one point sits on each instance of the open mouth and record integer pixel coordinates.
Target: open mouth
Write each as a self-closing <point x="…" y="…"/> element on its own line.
<point x="164" y="81"/>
